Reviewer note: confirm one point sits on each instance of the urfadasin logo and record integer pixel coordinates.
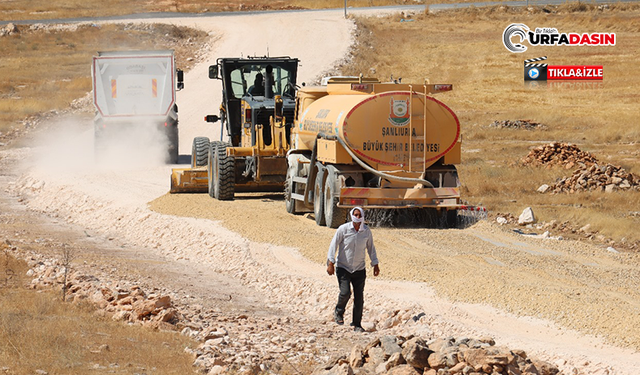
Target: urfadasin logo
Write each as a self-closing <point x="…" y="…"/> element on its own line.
<point x="549" y="36"/>
<point x="515" y="29"/>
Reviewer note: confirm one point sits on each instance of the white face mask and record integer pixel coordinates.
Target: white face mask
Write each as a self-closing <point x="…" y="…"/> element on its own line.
<point x="357" y="219"/>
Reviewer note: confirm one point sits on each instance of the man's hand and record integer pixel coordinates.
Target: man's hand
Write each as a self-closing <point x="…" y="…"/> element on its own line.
<point x="331" y="268"/>
<point x="376" y="270"/>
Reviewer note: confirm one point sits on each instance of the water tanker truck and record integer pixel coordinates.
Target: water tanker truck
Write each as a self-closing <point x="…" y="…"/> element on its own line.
<point x="383" y="146"/>
<point x="134" y="93"/>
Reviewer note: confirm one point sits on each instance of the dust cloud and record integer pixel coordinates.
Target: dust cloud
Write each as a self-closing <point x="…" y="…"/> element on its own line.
<point x="70" y="145"/>
<point x="132" y="145"/>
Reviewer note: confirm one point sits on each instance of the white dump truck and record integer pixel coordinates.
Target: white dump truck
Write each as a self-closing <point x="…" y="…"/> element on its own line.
<point x="134" y="93"/>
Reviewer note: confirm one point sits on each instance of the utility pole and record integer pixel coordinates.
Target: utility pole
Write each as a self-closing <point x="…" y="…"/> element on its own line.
<point x="345" y="8"/>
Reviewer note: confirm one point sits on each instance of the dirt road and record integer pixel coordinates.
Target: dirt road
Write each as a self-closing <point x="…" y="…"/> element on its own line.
<point x="573" y="304"/>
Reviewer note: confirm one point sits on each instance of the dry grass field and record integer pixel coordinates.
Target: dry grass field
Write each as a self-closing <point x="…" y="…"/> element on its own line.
<point x="40" y="332"/>
<point x="464" y="47"/>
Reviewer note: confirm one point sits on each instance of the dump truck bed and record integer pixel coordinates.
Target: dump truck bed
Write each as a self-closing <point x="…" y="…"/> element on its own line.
<point x="127" y="84"/>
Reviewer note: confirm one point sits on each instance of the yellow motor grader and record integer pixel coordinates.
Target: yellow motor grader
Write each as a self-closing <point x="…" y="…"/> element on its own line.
<point x="257" y="114"/>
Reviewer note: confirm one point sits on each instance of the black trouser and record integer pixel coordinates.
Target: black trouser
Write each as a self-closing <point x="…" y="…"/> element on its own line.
<point x="345" y="279"/>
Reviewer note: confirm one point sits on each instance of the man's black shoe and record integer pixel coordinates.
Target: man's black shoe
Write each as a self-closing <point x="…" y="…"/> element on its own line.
<point x="338" y="318"/>
<point x="358" y="329"/>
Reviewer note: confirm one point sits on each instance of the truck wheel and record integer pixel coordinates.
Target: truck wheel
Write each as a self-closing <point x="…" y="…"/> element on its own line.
<point x="200" y="152"/>
<point x="318" y="197"/>
<point x="289" y="187"/>
<point x="334" y="215"/>
<point x="224" y="175"/>
<point x="173" y="144"/>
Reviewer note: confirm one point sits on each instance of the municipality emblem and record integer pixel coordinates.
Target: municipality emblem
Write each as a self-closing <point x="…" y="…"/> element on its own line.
<point x="399" y="115"/>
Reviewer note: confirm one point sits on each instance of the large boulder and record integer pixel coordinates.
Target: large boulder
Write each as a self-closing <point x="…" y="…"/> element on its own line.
<point x="416" y="353"/>
<point x="390" y="346"/>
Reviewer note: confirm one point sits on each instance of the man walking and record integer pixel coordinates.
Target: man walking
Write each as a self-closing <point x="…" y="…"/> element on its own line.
<point x="346" y="258"/>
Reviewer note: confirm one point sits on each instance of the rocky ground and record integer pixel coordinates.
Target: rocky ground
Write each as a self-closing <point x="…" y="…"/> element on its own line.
<point x="235" y="331"/>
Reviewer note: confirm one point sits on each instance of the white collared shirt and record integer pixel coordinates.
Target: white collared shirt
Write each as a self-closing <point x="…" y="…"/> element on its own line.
<point x="350" y="246"/>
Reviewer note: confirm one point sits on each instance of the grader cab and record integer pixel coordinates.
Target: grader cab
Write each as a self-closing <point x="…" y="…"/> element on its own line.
<point x="257" y="115"/>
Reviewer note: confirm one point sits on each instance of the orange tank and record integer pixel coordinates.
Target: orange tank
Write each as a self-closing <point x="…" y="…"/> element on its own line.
<point x="358" y="142"/>
<point x="384" y="124"/>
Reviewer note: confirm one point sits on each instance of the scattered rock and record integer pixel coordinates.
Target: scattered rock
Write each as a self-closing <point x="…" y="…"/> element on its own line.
<point x="543" y="188"/>
<point x="527" y="217"/>
<point x="9" y="29"/>
<point x="441" y="356"/>
<point x="389" y="346"/>
<point x="607" y="178"/>
<point x="416" y="353"/>
<point x="404" y="370"/>
<point x="356" y="359"/>
<point x="517" y="124"/>
<point x="369" y="326"/>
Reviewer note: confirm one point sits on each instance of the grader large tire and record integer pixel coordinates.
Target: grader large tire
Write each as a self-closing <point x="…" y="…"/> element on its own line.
<point x="211" y="167"/>
<point x="318" y="197"/>
<point x="200" y="152"/>
<point x="334" y="215"/>
<point x="290" y="186"/>
<point x="210" y="170"/>
<point x="224" y="174"/>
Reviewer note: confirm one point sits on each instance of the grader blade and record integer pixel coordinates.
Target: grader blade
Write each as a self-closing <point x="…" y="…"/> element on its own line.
<point x="189" y="180"/>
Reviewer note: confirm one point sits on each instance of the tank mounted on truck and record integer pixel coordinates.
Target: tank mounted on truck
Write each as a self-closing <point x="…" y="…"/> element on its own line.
<point x="360" y="142"/>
